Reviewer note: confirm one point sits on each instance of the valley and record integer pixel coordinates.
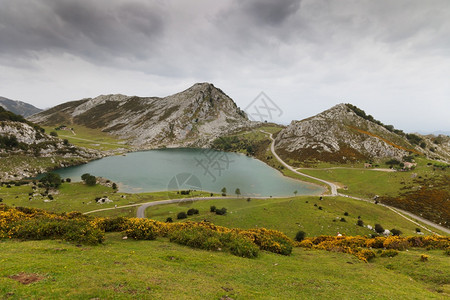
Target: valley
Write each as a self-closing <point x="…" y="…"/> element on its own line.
<point x="339" y="181"/>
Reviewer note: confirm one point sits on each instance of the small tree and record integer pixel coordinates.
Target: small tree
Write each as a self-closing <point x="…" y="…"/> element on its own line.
<point x="212" y="208"/>
<point x="379" y="228"/>
<point x="237" y="192"/>
<point x="295" y="192"/>
<point x="300" y="236"/>
<point x="224" y="191"/>
<point x="51" y="180"/>
<point x="114" y="186"/>
<point x="169" y="220"/>
<point x="89" y="179"/>
<point x="360" y="223"/>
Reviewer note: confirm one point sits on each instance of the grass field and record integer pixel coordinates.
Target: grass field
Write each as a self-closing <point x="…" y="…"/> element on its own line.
<point x="127" y="269"/>
<point x="80" y="197"/>
<point x="90" y="138"/>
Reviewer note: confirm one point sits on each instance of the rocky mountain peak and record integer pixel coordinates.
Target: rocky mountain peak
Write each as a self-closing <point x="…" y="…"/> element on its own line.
<point x="342" y="133"/>
<point x="193" y="117"/>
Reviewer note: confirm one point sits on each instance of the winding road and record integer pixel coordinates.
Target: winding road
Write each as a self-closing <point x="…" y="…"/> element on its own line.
<point x="333" y="188"/>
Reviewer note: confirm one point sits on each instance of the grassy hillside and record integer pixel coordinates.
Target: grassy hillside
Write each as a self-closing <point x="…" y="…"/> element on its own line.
<point x="424" y="191"/>
<point x="89" y="138"/>
<point x="291" y="215"/>
<point x="127" y="269"/>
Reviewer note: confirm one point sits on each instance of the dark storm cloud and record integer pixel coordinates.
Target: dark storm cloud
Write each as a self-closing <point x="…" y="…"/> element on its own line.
<point x="95" y="30"/>
<point x="268" y="12"/>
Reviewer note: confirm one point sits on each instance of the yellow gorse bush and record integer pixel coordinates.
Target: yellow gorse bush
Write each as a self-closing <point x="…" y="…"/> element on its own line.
<point x="355" y="244"/>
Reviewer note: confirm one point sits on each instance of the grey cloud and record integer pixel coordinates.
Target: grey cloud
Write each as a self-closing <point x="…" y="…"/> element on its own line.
<point x="268" y="12"/>
<point x="95" y="30"/>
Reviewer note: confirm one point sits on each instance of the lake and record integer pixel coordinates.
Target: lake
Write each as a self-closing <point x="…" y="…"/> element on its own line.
<point x="196" y="169"/>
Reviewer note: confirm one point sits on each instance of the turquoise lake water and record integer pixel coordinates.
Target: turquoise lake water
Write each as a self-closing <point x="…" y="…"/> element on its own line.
<point x="196" y="169"/>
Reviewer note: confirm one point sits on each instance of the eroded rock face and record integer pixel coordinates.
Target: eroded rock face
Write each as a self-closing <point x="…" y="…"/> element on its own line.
<point x="34" y="143"/>
<point x="340" y="135"/>
<point x="193" y="117"/>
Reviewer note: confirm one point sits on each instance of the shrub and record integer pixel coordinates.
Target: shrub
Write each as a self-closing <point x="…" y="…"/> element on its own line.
<point x="395" y="232"/>
<point x="192" y="211"/>
<point x="181" y="215"/>
<point x="360" y="223"/>
<point x="169" y="220"/>
<point x="424" y="257"/>
<point x="142" y="229"/>
<point x="68" y="180"/>
<point x="208" y="239"/>
<point x="376" y="242"/>
<point x="417" y="229"/>
<point x="389" y="253"/>
<point x="45" y="228"/>
<point x="222" y="211"/>
<point x="343" y="220"/>
<point x="51" y="180"/>
<point x="379" y="228"/>
<point x="395" y="242"/>
<point x="365" y="255"/>
<point x="346" y="214"/>
<point x="113" y="224"/>
<point x="212" y="208"/>
<point x="300" y="236"/>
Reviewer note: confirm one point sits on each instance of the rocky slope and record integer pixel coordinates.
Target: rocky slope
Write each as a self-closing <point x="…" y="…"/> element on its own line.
<point x="340" y="134"/>
<point x="193" y="117"/>
<point x="19" y="107"/>
<point x="20" y="138"/>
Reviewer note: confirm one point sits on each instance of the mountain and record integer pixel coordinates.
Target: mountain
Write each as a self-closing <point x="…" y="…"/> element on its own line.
<point x="345" y="133"/>
<point x="193" y="117"/>
<point x="19" y="107"/>
<point x="36" y="151"/>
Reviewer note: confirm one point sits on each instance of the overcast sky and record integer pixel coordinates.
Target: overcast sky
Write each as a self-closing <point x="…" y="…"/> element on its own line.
<point x="390" y="58"/>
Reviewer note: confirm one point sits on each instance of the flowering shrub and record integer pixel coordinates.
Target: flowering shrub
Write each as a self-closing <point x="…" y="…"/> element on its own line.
<point x="355" y="244"/>
<point x="389" y="253"/>
<point x="395" y="242"/>
<point x="36" y="224"/>
<point x="424" y="257"/>
<point x="205" y="238"/>
<point x="269" y="240"/>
